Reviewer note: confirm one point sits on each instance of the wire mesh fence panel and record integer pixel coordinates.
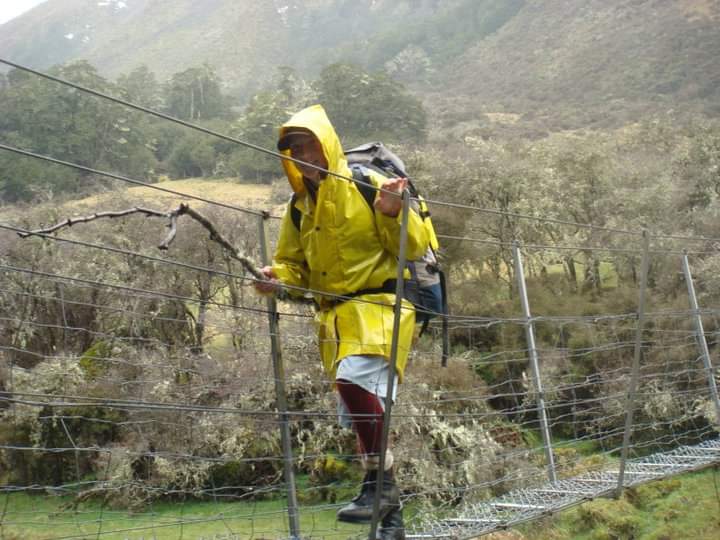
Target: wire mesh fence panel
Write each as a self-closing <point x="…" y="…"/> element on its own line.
<point x="148" y="395"/>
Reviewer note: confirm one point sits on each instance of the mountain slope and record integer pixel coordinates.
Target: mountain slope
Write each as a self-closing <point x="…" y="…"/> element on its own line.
<point x="166" y="35"/>
<point x="598" y="55"/>
<point x="570" y="62"/>
<point x="244" y="39"/>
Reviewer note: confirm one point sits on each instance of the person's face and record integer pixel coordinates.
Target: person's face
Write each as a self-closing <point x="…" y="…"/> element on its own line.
<point x="309" y="150"/>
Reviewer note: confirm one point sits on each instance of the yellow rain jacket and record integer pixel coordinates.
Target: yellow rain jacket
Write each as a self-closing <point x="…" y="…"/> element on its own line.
<point x="342" y="247"/>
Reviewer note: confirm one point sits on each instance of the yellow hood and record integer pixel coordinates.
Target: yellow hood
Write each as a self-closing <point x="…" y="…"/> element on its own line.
<point x="315" y="120"/>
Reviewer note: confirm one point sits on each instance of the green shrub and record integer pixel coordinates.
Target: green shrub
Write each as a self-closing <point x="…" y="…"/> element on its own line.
<point x="331" y="479"/>
<point x="93" y="362"/>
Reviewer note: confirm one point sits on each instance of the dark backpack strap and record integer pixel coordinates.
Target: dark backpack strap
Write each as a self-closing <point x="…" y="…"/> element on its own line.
<point x="424" y="326"/>
<point x="445" y="329"/>
<point x="295" y="214"/>
<point x="363" y="183"/>
<point x="365" y="186"/>
<point x="389" y="286"/>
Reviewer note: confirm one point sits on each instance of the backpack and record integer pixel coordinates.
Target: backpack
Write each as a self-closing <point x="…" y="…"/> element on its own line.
<point x="426" y="287"/>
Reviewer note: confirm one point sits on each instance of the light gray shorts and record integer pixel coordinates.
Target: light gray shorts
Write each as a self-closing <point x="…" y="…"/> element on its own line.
<point x="369" y="372"/>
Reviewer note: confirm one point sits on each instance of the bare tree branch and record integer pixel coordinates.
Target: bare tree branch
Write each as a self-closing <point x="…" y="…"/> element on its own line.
<point x="72" y="221"/>
<point x="215" y="235"/>
<point x="173" y="215"/>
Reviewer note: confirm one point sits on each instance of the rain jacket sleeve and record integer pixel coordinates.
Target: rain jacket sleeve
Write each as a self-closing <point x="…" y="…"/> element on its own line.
<point x="289" y="262"/>
<point x="389" y="230"/>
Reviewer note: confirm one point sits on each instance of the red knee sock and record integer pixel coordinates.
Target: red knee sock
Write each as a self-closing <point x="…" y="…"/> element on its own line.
<point x="366" y="413"/>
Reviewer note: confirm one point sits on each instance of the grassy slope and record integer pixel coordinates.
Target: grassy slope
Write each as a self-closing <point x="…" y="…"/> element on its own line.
<point x="228" y="191"/>
<point x="682" y="507"/>
<point x="253" y="196"/>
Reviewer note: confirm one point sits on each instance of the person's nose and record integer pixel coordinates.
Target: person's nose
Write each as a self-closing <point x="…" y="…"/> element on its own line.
<point x="301" y="154"/>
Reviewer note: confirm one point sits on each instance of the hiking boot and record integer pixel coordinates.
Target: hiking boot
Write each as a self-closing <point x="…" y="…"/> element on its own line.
<point x="392" y="526"/>
<point x="360" y="508"/>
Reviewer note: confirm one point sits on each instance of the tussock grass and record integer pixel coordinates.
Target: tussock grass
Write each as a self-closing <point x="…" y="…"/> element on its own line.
<point x="677" y="508"/>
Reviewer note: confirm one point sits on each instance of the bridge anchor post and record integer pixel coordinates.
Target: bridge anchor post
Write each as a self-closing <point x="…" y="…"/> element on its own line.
<point x="280" y="394"/>
<point x="534" y="362"/>
<point x="632" y="390"/>
<point x="700" y="335"/>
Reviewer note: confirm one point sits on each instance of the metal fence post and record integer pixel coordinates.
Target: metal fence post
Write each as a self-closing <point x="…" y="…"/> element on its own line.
<point x="279" y="372"/>
<point x="534" y="363"/>
<point x="700" y="333"/>
<point x="630" y="399"/>
<point x="399" y="291"/>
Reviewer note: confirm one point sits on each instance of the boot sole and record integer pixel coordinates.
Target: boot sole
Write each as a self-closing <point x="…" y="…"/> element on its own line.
<point x="381" y="516"/>
<point x="396" y="537"/>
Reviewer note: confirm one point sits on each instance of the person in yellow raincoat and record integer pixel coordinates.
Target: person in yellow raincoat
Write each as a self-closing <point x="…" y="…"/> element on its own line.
<point x="341" y="247"/>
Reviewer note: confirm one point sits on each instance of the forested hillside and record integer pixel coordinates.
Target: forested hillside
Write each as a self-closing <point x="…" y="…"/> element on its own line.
<point x="54" y="120"/>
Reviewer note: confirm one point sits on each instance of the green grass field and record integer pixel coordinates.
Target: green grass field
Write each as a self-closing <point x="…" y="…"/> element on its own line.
<point x="41" y="517"/>
<point x="683" y="507"/>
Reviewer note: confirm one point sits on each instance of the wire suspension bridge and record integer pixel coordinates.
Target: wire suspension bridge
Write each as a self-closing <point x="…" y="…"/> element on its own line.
<point x="91" y="357"/>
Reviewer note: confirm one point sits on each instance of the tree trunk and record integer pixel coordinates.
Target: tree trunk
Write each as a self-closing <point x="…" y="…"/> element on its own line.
<point x="200" y="326"/>
<point x="236" y="299"/>
<point x="571" y="271"/>
<point x="591" y="279"/>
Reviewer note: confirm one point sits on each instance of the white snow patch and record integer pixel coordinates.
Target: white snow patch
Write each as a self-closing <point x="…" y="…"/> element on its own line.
<point x="283" y="12"/>
<point x="116" y="4"/>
